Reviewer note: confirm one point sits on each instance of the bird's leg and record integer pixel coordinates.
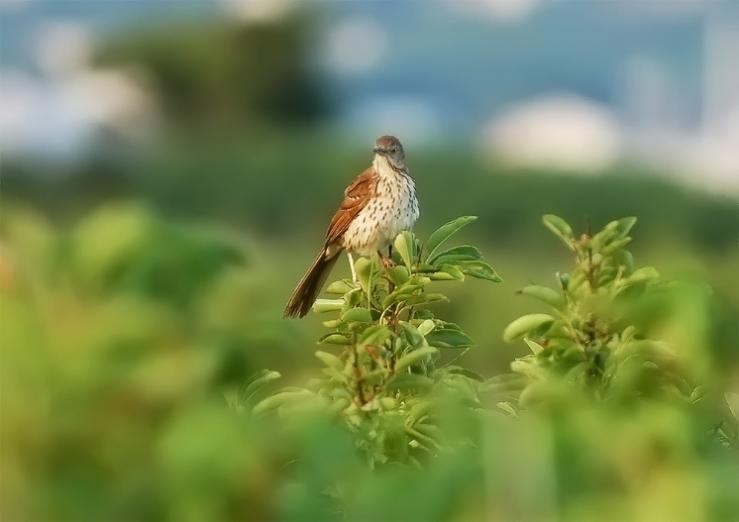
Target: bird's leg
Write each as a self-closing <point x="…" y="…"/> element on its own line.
<point x="387" y="262"/>
<point x="351" y="265"/>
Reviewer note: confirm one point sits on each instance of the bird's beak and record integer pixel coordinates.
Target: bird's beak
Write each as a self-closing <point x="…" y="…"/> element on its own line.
<point x="378" y="150"/>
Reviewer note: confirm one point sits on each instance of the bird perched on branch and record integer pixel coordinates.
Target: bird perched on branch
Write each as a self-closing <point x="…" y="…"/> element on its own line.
<point x="378" y="205"/>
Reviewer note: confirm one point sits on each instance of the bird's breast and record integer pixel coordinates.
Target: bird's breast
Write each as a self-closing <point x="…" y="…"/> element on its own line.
<point x="394" y="208"/>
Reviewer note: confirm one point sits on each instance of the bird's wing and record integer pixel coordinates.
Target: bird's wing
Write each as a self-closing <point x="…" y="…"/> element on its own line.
<point x="356" y="197"/>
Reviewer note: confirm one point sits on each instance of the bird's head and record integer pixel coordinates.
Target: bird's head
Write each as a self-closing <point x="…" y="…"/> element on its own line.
<point x="390" y="148"/>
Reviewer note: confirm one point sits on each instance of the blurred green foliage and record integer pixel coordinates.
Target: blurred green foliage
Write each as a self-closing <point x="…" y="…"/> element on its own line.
<point x="118" y="336"/>
<point x="225" y="75"/>
<point x="124" y="335"/>
<point x="602" y="332"/>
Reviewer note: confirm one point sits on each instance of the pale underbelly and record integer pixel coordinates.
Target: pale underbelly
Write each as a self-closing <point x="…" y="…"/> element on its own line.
<point x="376" y="226"/>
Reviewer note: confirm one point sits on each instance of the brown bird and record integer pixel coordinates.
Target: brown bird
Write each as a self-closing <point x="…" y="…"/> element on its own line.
<point x="377" y="206"/>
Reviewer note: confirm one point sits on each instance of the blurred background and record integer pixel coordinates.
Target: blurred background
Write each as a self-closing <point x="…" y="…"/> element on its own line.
<point x="168" y="170"/>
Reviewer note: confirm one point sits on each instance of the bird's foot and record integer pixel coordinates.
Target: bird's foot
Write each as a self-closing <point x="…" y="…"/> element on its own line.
<point x="387" y="262"/>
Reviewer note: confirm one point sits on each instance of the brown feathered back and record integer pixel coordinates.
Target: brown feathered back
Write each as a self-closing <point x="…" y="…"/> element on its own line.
<point x="356" y="196"/>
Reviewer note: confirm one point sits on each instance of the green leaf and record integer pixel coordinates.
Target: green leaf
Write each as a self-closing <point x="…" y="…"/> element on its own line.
<point x="339" y="287"/>
<point x="257" y="381"/>
<point x="424" y="299"/>
<point x="443" y="276"/>
<point x="375" y="335"/>
<point x="647" y="347"/>
<point x="424" y="314"/>
<point x="637" y="281"/>
<point x="526" y="324"/>
<point x="534" y="393"/>
<point x="363" y="267"/>
<point x="448" y="338"/>
<point x="455" y="254"/>
<point x="399" y="275"/>
<point x="336" y="375"/>
<point x="419" y="280"/>
<point x="732" y="399"/>
<point x="643" y="274"/>
<point x="453" y="271"/>
<point x="279" y="399"/>
<point x="418" y="410"/>
<point x="414" y="357"/>
<point x="334" y="338"/>
<point x="459" y="370"/>
<point x="559" y="228"/>
<point x="339" y="405"/>
<point x="330" y="360"/>
<point x="616" y="245"/>
<point x="404" y="245"/>
<point x="328" y="305"/>
<point x="505" y="382"/>
<point x="402" y="292"/>
<point x="357" y="315"/>
<point x="626" y="259"/>
<point x="426" y="326"/>
<point x="624" y="225"/>
<point x="527" y="366"/>
<point x="425" y="268"/>
<point x="544" y="294"/>
<point x="533" y="346"/>
<point x="448" y="273"/>
<point x="441" y="234"/>
<point x="409" y="381"/>
<point x="375" y="376"/>
<point x="507" y="408"/>
<point x="413" y="336"/>
<point x="604" y="237"/>
<point x="480" y="270"/>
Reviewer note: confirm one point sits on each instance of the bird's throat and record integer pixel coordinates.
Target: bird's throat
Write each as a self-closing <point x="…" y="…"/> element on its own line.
<point x="385" y="168"/>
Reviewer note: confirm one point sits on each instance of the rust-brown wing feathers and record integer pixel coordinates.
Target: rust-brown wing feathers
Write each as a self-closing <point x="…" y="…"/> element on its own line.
<point x="356" y="197"/>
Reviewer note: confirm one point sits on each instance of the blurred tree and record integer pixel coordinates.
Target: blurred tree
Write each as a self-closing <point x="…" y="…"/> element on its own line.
<point x="225" y="75"/>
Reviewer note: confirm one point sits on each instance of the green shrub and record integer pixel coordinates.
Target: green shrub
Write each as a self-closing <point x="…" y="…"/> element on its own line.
<point x="596" y="335"/>
<point x="385" y="379"/>
<point x="603" y="413"/>
<point x="120" y="336"/>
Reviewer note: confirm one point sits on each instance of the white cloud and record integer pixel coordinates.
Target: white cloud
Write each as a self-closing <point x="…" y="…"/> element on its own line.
<point x="498" y="10"/>
<point x="36" y="119"/>
<point x="356" y="45"/>
<point x="561" y="131"/>
<point x="59" y="118"/>
<point x="62" y="48"/>
<point x="256" y="10"/>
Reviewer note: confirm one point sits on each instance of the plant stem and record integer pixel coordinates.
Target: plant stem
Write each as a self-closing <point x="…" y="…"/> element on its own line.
<point x="357" y="371"/>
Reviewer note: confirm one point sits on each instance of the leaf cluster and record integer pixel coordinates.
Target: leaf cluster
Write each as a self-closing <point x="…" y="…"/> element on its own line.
<point x="388" y="368"/>
<point x="595" y="333"/>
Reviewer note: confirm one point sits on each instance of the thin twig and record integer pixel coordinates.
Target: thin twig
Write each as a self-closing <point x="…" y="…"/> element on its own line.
<point x="454" y="359"/>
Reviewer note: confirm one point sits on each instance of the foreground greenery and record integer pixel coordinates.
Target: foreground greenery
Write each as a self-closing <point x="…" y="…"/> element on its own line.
<point x="383" y="381"/>
<point x="122" y="336"/>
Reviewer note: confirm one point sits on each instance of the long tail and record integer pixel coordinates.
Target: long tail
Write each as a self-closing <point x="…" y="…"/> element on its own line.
<point x="310" y="285"/>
